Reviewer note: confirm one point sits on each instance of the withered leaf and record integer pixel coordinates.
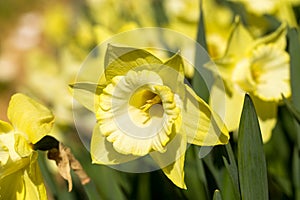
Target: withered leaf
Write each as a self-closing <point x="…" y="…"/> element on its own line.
<point x="66" y="161"/>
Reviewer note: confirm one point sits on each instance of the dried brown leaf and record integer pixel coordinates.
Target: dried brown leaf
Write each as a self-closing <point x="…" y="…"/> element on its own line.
<point x="66" y="161"/>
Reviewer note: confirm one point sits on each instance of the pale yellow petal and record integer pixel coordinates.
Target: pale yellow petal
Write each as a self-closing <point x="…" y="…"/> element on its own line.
<point x="86" y="94"/>
<point x="33" y="181"/>
<point x="103" y="152"/>
<point x="5" y="127"/>
<point x="172" y="161"/>
<point x="120" y="60"/>
<point x="30" y="117"/>
<point x="242" y="75"/>
<point x="203" y="126"/>
<point x="4" y="154"/>
<point x="172" y="73"/>
<point x="8" y="140"/>
<point x="23" y="183"/>
<point x="22" y="146"/>
<point x="267" y="116"/>
<point x="271" y="69"/>
<point x="11" y="187"/>
<point x="240" y="40"/>
<point x="277" y="38"/>
<point x="228" y="103"/>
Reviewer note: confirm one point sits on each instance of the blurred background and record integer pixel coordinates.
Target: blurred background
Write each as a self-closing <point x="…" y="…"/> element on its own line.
<point x="44" y="43"/>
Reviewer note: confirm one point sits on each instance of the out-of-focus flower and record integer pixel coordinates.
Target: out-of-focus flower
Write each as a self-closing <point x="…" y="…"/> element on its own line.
<point x="282" y="9"/>
<point x="217" y="20"/>
<point x="20" y="174"/>
<point x="143" y="107"/>
<point x="259" y="67"/>
<point x="183" y="16"/>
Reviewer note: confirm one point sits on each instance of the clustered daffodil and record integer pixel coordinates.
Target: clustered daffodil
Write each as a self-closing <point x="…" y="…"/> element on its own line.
<point x="19" y="170"/>
<point x="282" y="9"/>
<point x="143" y="107"/>
<point x="259" y="67"/>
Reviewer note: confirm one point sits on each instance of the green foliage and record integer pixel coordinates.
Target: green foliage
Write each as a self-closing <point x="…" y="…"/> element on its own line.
<point x="251" y="157"/>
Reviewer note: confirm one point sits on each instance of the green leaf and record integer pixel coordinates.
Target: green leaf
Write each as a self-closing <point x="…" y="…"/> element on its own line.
<point x="292" y="109"/>
<point x="251" y="157"/>
<point x="198" y="83"/>
<point x="296" y="172"/>
<point x="294" y="49"/>
<point x="232" y="170"/>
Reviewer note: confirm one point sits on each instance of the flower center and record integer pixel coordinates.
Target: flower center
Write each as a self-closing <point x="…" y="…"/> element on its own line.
<point x="137" y="109"/>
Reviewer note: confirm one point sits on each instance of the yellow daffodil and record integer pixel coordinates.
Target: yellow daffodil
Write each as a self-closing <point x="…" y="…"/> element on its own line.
<point x="259" y="67"/>
<point x="20" y="176"/>
<point x="143" y="107"/>
<point x="283" y="9"/>
<point x="217" y="19"/>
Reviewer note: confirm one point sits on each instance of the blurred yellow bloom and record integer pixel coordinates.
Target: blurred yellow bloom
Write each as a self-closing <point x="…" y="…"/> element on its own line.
<point x="283" y="9"/>
<point x="259" y="67"/>
<point x="20" y="174"/>
<point x="143" y="107"/>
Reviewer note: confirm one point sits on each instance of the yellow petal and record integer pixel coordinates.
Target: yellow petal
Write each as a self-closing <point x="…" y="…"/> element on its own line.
<point x="242" y="75"/>
<point x="172" y="72"/>
<point x="86" y="94"/>
<point x="277" y="38"/>
<point x="119" y="60"/>
<point x="15" y="162"/>
<point x="203" y="126"/>
<point x="33" y="181"/>
<point x="172" y="161"/>
<point x="103" y="152"/>
<point x="11" y="186"/>
<point x="228" y="103"/>
<point x="240" y="40"/>
<point x="24" y="183"/>
<point x="8" y="140"/>
<point x="267" y="116"/>
<point x="271" y="70"/>
<point x="30" y="117"/>
<point x="5" y="127"/>
<point x="22" y="146"/>
<point x="4" y="154"/>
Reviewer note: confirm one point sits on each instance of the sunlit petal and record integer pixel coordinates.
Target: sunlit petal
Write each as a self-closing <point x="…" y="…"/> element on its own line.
<point x="172" y="161"/>
<point x="202" y="125"/>
<point x="30" y="117"/>
<point x="102" y="151"/>
<point x="267" y="116"/>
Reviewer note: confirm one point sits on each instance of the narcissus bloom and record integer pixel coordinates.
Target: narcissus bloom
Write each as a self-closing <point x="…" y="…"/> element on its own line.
<point x="143" y="107"/>
<point x="20" y="176"/>
<point x="282" y="9"/>
<point x="259" y="67"/>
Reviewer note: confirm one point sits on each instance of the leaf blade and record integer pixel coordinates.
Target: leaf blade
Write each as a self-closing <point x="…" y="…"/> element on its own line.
<point x="251" y="157"/>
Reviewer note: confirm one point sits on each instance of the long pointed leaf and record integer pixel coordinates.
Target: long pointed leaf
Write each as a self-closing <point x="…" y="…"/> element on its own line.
<point x="232" y="170"/>
<point x="294" y="49"/>
<point x="198" y="82"/>
<point x="292" y="109"/>
<point x="251" y="157"/>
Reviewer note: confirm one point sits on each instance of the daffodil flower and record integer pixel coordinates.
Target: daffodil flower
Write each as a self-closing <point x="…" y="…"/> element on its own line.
<point x="282" y="9"/>
<point x="19" y="170"/>
<point x="259" y="67"/>
<point x="143" y="107"/>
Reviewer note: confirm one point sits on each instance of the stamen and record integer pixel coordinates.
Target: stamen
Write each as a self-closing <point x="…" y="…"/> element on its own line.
<point x="150" y="102"/>
<point x="147" y="106"/>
